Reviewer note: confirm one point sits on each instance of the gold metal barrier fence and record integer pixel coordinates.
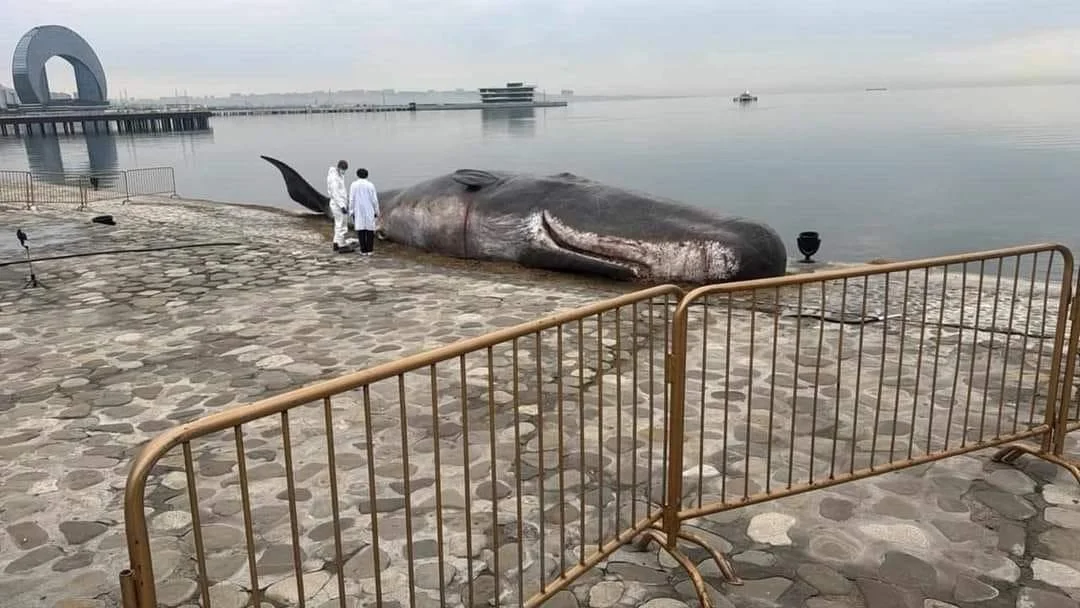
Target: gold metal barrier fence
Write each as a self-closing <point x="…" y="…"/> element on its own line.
<point x="787" y="385"/>
<point x="496" y="469"/>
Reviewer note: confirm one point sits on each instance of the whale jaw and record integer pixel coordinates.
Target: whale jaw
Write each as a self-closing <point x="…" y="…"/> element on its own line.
<point x="691" y="261"/>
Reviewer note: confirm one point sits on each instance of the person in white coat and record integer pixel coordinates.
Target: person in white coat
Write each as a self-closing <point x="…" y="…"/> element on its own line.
<point x="364" y="207"/>
<point x="339" y="203"/>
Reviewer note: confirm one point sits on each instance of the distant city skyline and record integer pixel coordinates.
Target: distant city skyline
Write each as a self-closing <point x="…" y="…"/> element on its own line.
<point x="602" y="47"/>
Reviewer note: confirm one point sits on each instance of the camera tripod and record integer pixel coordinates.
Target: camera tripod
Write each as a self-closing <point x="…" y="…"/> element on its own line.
<point x="32" y="280"/>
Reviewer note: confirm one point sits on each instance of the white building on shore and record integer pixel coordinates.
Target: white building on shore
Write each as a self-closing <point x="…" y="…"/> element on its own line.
<point x="8" y="97"/>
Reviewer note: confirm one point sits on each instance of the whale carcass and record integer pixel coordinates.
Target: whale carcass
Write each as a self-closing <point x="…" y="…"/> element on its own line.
<point x="568" y="223"/>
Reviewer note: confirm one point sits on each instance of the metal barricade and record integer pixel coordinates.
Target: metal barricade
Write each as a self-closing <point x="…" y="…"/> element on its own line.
<point x="149" y="181"/>
<point x="496" y="469"/>
<point x="102" y="186"/>
<point x="83" y="188"/>
<point x="787" y="385"/>
<point x="59" y="188"/>
<point x="15" y="187"/>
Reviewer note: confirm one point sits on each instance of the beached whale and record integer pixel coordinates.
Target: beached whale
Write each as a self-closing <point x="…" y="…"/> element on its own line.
<point x="567" y="223"/>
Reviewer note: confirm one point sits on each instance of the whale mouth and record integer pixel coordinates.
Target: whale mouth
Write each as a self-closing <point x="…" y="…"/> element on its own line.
<point x="617" y="252"/>
<point x="696" y="261"/>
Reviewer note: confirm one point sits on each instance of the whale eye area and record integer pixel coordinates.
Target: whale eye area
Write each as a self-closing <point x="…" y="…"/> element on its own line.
<point x="473" y="179"/>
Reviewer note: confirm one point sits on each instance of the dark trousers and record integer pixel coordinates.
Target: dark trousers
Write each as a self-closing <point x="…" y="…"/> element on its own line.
<point x="367" y="240"/>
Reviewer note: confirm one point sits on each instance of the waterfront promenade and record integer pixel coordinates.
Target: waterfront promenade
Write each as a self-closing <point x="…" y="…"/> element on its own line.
<point x="120" y="346"/>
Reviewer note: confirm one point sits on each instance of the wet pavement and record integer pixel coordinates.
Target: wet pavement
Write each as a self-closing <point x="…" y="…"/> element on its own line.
<point x="245" y="303"/>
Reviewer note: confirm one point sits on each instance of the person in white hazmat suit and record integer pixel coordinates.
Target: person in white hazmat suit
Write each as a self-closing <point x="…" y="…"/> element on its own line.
<point x="339" y="203"/>
<point x="364" y="207"/>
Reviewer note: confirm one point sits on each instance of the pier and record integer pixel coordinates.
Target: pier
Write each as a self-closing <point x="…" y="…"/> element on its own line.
<point x="167" y="121"/>
<point x="99" y="121"/>
<point x="360" y="108"/>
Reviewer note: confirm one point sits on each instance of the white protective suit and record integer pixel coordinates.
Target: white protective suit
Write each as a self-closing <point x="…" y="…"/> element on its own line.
<point x="339" y="204"/>
<point x="364" y="204"/>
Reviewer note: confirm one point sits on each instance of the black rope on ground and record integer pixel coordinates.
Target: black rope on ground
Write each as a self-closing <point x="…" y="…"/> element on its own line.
<point x="115" y="251"/>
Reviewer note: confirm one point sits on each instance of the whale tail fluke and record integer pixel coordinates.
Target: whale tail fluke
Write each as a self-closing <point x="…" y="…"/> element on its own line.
<point x="299" y="189"/>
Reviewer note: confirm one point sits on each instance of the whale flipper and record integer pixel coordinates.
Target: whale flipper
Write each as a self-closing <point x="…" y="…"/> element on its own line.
<point x="299" y="189"/>
<point x="474" y="179"/>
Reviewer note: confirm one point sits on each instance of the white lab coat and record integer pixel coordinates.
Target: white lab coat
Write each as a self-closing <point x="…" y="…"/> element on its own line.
<point x="363" y="204"/>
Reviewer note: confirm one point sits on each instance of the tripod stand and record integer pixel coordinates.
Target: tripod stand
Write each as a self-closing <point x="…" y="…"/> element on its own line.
<point x="31" y="281"/>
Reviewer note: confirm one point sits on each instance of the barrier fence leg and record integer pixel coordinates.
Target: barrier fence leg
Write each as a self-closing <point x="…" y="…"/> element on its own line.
<point x="172" y="183"/>
<point x="127" y="190"/>
<point x="128" y="592"/>
<point x="670" y="532"/>
<point x="1062" y="371"/>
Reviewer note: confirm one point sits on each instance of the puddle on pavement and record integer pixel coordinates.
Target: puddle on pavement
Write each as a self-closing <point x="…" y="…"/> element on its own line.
<point x="44" y="239"/>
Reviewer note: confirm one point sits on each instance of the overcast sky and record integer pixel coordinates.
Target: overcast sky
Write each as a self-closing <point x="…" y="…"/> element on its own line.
<point x="600" y="46"/>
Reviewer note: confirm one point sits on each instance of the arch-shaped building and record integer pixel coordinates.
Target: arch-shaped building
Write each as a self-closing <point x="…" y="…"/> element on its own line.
<point x="41" y="44"/>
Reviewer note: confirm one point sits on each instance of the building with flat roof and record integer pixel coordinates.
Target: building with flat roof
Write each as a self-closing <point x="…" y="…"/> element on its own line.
<point x="8" y="98"/>
<point x="513" y="92"/>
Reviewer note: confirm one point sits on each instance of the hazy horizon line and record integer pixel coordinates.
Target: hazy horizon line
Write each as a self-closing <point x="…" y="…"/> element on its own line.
<point x="773" y="90"/>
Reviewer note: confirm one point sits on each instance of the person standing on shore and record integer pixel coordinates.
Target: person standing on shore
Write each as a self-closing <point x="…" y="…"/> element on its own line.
<point x="364" y="205"/>
<point x="339" y="203"/>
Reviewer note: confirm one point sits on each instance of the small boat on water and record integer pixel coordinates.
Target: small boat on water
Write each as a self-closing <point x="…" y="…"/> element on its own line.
<point x="745" y="97"/>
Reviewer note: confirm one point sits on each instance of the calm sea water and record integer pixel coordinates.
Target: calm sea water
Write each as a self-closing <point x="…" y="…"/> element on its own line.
<point x="896" y="174"/>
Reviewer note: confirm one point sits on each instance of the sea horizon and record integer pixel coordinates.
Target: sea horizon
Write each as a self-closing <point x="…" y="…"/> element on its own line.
<point x="898" y="174"/>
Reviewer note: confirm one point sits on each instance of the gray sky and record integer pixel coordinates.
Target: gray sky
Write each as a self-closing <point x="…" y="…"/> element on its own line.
<point x="601" y="46"/>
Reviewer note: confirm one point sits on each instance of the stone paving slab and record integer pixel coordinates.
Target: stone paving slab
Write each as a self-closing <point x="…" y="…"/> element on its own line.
<point x="120" y="347"/>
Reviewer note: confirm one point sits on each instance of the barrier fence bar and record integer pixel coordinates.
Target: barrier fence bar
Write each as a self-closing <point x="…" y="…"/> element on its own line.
<point x="496" y="469"/>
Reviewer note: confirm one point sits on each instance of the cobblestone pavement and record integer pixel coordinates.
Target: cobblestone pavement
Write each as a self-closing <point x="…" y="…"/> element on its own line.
<point x="119" y="347"/>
